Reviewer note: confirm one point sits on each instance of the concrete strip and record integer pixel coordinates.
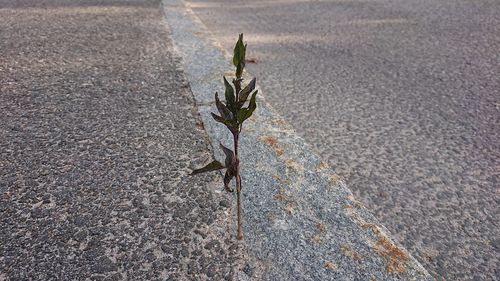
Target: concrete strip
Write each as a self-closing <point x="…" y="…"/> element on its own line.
<point x="300" y="220"/>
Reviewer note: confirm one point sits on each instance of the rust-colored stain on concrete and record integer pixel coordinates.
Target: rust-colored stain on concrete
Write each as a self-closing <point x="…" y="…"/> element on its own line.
<point x="374" y="228"/>
<point x="321" y="227"/>
<point x="269" y="140"/>
<point x="349" y="252"/>
<point x="289" y="208"/>
<point x="356" y="202"/>
<point x="199" y="125"/>
<point x="281" y="196"/>
<point x="288" y="200"/>
<point x="293" y="165"/>
<point x="335" y="179"/>
<point x="396" y="259"/>
<point x="331" y="266"/>
<point x="322" y="166"/>
<point x="278" y="122"/>
<point x="283" y="181"/>
<point x="321" y="232"/>
<point x="273" y="143"/>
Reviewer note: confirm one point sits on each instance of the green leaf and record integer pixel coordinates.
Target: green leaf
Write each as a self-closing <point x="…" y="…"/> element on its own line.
<point x="229" y="123"/>
<point x="229" y="155"/>
<point x="230" y="98"/>
<point x="239" y="51"/>
<point x="222" y="120"/>
<point x="227" y="179"/>
<point x="223" y="110"/>
<point x="239" y="56"/>
<point x="212" y="166"/>
<point x="247" y="91"/>
<point x="245" y="113"/>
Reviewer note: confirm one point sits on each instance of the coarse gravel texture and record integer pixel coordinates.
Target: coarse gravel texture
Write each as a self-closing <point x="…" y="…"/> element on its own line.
<point x="98" y="134"/>
<point x="402" y="99"/>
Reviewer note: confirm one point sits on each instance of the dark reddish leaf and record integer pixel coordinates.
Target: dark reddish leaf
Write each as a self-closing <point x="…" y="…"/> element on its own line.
<point x="212" y="166"/>
<point x="247" y="91"/>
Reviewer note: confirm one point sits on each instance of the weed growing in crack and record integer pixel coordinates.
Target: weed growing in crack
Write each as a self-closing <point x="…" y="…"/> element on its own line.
<point x="232" y="115"/>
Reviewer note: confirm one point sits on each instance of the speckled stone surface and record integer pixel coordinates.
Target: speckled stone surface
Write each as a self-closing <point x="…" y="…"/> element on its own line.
<point x="300" y="220"/>
<point x="402" y="97"/>
<point x="98" y="134"/>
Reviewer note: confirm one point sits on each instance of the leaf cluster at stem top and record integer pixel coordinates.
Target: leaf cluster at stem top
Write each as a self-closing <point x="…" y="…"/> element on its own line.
<point x="233" y="112"/>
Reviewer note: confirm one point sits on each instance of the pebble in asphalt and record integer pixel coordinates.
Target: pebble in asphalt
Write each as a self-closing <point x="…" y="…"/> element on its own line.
<point x="97" y="135"/>
<point x="402" y="98"/>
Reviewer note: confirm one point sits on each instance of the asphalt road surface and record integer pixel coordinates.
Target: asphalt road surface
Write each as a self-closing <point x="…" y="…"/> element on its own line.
<point x="402" y="98"/>
<point x="98" y="135"/>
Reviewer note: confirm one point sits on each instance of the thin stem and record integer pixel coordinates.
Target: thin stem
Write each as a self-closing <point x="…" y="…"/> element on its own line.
<point x="236" y="136"/>
<point x="238" y="185"/>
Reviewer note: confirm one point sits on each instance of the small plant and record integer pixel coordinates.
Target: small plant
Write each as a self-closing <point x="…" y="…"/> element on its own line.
<point x="232" y="115"/>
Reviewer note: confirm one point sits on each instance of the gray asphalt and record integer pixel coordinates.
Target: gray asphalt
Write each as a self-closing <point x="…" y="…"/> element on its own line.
<point x="402" y="98"/>
<point x="98" y="134"/>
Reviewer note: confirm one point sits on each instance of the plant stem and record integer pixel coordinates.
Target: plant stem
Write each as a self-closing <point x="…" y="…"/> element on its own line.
<point x="238" y="185"/>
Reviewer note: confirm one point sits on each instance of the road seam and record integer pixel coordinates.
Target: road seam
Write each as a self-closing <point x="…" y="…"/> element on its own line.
<point x="301" y="222"/>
